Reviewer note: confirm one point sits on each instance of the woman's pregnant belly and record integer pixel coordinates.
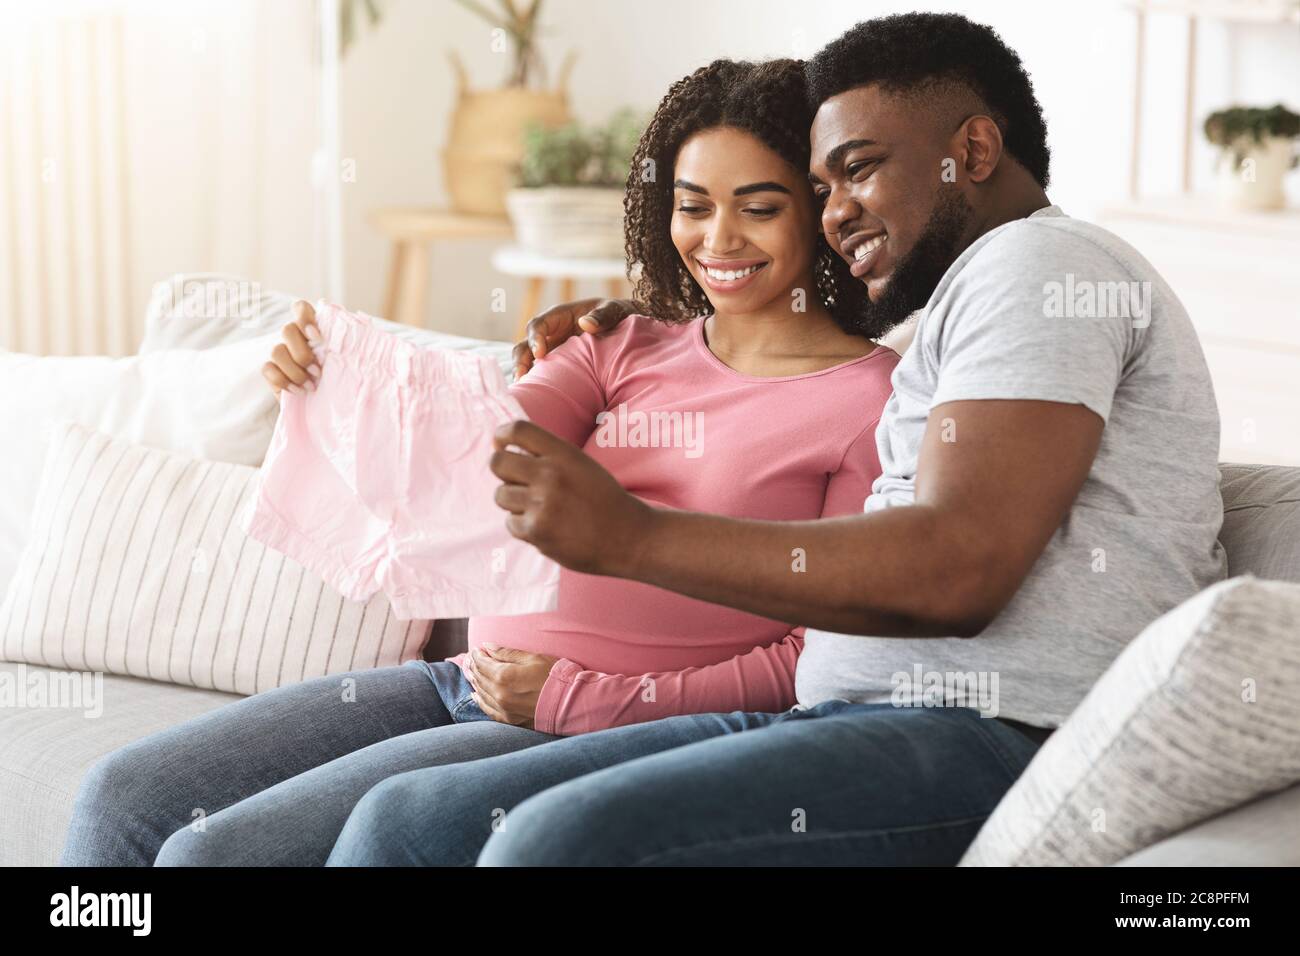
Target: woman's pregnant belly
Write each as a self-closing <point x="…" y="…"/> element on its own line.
<point x="624" y="627"/>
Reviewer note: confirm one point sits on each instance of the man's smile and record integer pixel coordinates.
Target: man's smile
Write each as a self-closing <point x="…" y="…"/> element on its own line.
<point x="862" y="251"/>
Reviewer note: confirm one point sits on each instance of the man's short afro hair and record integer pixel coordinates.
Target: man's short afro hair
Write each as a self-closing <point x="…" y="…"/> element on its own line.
<point x="912" y="50"/>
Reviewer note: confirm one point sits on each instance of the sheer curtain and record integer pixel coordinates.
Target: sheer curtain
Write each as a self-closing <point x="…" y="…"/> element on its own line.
<point x="141" y="139"/>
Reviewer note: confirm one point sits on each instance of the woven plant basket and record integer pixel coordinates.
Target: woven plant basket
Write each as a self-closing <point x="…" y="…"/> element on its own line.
<point x="486" y="140"/>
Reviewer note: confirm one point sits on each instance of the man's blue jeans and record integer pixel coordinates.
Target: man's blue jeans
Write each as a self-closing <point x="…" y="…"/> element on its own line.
<point x="840" y="783"/>
<point x="270" y="780"/>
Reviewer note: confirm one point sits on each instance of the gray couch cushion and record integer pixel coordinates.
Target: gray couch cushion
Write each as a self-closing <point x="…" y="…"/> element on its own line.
<point x="44" y="752"/>
<point x="1261" y="520"/>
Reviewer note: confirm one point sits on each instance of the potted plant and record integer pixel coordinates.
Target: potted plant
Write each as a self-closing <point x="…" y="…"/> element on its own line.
<point x="349" y="14"/>
<point x="485" y="142"/>
<point x="569" y="201"/>
<point x="1256" y="148"/>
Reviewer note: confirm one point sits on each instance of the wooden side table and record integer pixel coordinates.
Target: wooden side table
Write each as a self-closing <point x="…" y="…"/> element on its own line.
<point x="536" y="268"/>
<point x="412" y="231"/>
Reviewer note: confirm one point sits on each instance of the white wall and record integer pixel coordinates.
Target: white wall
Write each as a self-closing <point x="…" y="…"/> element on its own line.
<point x="397" y="90"/>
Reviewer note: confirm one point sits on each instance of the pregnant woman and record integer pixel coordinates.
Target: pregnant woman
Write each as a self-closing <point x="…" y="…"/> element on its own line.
<point x="755" y="347"/>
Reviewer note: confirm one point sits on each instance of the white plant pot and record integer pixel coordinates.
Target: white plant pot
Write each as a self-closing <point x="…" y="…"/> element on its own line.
<point x="568" y="221"/>
<point x="1256" y="181"/>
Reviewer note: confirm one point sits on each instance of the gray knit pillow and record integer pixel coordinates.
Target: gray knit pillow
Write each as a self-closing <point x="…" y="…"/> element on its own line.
<point x="1199" y="714"/>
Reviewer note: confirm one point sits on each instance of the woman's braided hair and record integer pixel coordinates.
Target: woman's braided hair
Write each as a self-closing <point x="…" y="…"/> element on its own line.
<point x="767" y="100"/>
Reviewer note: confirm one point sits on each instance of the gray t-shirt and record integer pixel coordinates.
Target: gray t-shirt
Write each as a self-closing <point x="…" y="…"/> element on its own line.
<point x="1051" y="308"/>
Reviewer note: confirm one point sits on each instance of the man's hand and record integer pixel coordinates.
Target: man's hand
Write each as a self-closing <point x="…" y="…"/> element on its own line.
<point x="986" y="506"/>
<point x="507" y="682"/>
<point x="564" y="504"/>
<point x="548" y="329"/>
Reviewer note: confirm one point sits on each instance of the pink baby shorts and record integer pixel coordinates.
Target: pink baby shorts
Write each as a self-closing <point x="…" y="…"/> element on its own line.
<point x="378" y="479"/>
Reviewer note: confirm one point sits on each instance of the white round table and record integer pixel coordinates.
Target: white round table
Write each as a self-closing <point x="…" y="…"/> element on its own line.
<point x="535" y="268"/>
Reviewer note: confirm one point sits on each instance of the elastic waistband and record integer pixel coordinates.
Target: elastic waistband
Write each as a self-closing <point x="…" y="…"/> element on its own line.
<point x="352" y="335"/>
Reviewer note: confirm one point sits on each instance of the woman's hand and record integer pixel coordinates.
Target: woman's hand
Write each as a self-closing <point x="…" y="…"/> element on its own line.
<point x="548" y="329"/>
<point x="293" y="364"/>
<point x="507" y="682"/>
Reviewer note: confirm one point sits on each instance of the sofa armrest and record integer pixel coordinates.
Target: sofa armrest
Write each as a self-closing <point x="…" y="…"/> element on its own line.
<point x="1260" y="833"/>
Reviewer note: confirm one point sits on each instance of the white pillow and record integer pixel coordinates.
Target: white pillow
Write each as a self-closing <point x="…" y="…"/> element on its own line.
<point x="201" y="310"/>
<point x="212" y="404"/>
<point x="137" y="566"/>
<point x="1199" y="714"/>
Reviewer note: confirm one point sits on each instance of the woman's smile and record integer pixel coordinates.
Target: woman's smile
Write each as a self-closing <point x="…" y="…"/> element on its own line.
<point x="728" y="275"/>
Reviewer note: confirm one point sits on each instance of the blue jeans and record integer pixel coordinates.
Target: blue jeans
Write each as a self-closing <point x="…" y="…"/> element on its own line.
<point x="840" y="783"/>
<point x="271" y="779"/>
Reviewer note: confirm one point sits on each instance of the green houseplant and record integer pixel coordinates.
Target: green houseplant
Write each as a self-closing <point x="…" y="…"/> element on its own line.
<point x="569" y="201"/>
<point x="1256" y="148"/>
<point x="350" y="12"/>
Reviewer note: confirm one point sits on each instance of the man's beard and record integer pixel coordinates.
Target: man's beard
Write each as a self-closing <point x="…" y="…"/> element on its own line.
<point x="916" y="277"/>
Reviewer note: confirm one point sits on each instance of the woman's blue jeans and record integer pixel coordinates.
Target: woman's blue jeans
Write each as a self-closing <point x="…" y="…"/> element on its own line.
<point x="271" y="779"/>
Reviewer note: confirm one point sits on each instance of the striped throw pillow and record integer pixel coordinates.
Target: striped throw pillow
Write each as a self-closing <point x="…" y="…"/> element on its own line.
<point x="136" y="565"/>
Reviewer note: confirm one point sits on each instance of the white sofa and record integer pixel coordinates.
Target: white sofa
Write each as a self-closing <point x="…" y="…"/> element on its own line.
<point x="44" y="753"/>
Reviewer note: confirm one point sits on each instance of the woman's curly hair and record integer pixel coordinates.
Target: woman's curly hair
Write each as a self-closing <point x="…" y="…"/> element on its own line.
<point x="767" y="100"/>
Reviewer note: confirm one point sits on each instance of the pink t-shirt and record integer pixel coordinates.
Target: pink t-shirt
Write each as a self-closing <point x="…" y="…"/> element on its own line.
<point x="680" y="429"/>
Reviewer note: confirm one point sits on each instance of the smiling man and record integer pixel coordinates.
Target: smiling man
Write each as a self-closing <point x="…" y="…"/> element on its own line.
<point x="1049" y="486"/>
